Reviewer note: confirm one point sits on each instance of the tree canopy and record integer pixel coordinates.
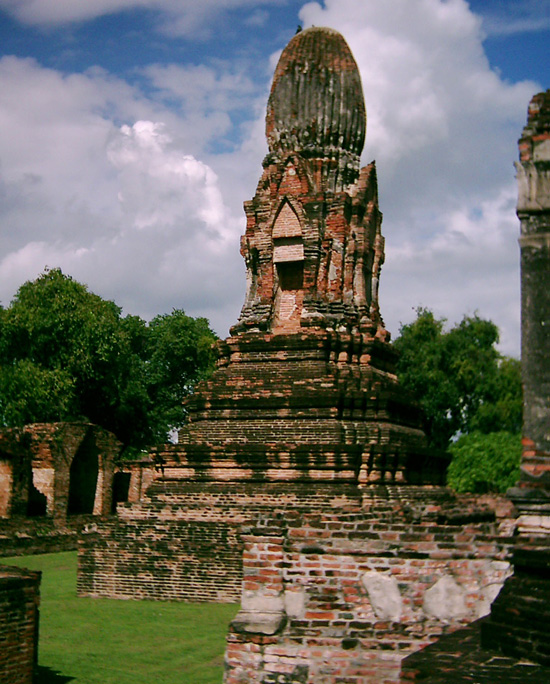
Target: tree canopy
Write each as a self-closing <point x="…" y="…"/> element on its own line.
<point x="485" y="462"/>
<point x="68" y="354"/>
<point x="458" y="376"/>
<point x="471" y="396"/>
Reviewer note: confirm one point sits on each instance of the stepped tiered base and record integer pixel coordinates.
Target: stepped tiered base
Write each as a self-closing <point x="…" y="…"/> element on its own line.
<point x="301" y="422"/>
<point x="315" y="406"/>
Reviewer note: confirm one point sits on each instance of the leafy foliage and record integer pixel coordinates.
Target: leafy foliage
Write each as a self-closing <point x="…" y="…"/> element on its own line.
<point x="466" y="389"/>
<point x="68" y="354"/>
<point x="485" y="462"/>
<point x="176" y="344"/>
<point x="459" y="377"/>
<point x="28" y="390"/>
<point x="503" y="408"/>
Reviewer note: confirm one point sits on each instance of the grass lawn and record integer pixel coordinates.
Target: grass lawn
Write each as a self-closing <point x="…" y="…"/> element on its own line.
<point x="89" y="641"/>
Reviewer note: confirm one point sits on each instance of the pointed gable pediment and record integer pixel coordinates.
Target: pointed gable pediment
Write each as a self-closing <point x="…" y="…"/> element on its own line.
<point x="286" y="224"/>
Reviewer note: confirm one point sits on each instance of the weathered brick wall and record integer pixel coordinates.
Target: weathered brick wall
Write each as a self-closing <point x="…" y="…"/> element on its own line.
<point x="25" y="536"/>
<point x="38" y="485"/>
<point x="182" y="542"/>
<point x="343" y="598"/>
<point x="519" y="624"/>
<point x="15" y="472"/>
<point x="55" y="447"/>
<point x="160" y="560"/>
<point x="142" y="475"/>
<point x="6" y="487"/>
<point x="39" y="457"/>
<point x="19" y="600"/>
<point x="458" y="658"/>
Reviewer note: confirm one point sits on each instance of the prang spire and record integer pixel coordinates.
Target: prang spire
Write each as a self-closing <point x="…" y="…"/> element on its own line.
<point x="316" y="106"/>
<point x="313" y="247"/>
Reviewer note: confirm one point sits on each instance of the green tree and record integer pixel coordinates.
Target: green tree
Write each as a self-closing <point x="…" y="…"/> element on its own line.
<point x="503" y="409"/>
<point x="68" y="354"/>
<point x="28" y="391"/>
<point x="459" y="377"/>
<point x="179" y="354"/>
<point x="485" y="462"/>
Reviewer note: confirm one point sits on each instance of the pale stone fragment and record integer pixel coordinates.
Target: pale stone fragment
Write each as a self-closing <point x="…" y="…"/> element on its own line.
<point x="445" y="600"/>
<point x="255" y="601"/>
<point x="384" y="595"/>
<point x="258" y="623"/>
<point x="295" y="603"/>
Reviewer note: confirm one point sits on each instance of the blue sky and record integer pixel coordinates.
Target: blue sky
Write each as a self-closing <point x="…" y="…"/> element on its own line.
<point x="132" y="131"/>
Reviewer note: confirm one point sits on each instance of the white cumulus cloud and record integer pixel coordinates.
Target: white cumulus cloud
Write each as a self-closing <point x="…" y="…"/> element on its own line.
<point x="175" y="17"/>
<point x="139" y="192"/>
<point x="125" y="208"/>
<point x="442" y="127"/>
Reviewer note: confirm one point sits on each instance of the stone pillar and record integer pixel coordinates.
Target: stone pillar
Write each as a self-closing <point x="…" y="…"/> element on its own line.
<point x="532" y="495"/>
<point x="519" y="623"/>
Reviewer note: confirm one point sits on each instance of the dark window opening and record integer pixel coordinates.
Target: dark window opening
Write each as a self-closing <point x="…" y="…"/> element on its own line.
<point x="286" y="241"/>
<point x="291" y="275"/>
<point x="83" y="478"/>
<point x="37" y="503"/>
<point x="121" y="488"/>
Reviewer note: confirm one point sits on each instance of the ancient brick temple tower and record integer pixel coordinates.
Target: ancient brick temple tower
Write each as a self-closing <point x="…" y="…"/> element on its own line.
<point x="306" y="388"/>
<point x="304" y="409"/>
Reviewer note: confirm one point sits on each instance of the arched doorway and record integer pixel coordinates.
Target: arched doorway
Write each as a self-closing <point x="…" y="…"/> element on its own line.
<point x="288" y="260"/>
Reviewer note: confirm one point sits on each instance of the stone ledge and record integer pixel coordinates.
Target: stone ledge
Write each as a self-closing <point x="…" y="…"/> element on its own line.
<point x="254" y="622"/>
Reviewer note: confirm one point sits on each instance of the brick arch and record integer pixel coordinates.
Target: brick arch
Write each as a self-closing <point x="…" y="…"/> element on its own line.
<point x="288" y="262"/>
<point x="293" y="179"/>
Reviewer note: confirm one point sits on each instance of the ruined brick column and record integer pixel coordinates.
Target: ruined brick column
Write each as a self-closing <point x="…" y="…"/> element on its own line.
<point x="532" y="496"/>
<point x="519" y="624"/>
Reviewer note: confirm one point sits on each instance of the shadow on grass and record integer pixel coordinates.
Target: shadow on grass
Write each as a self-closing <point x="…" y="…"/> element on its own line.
<point x="44" y="675"/>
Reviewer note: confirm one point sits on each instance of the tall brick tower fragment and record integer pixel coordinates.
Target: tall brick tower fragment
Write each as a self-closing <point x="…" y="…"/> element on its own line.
<point x="519" y="624"/>
<point x="533" y="173"/>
